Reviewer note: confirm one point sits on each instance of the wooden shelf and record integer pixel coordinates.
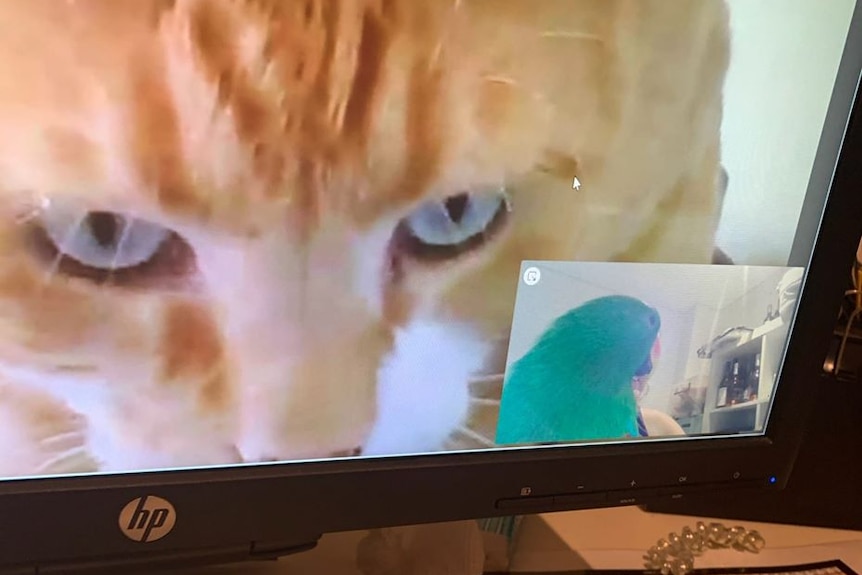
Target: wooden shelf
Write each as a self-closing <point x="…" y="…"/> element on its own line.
<point x="739" y="406"/>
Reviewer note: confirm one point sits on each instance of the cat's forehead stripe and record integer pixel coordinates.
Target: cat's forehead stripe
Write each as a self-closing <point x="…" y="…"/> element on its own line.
<point x="299" y="85"/>
<point x="156" y="143"/>
<point x="281" y="115"/>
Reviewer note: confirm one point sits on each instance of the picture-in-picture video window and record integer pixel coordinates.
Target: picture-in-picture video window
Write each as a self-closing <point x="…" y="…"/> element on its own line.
<point x="603" y="351"/>
<point x="235" y="237"/>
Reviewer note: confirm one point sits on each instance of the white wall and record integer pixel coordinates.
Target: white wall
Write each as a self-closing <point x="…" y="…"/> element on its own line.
<point x="783" y="69"/>
<point x="750" y="309"/>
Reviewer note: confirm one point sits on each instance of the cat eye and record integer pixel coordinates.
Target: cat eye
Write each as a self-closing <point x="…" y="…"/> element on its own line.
<point x="454" y="226"/>
<point x="103" y="239"/>
<point x="109" y="246"/>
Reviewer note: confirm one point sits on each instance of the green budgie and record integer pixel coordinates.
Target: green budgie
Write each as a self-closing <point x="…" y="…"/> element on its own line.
<point x="575" y="384"/>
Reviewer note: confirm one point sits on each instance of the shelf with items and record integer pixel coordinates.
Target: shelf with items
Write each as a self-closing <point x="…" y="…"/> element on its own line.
<point x="744" y="405"/>
<point x="741" y="383"/>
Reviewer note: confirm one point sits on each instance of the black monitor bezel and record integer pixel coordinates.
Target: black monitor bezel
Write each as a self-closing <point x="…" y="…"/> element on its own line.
<point x="235" y="506"/>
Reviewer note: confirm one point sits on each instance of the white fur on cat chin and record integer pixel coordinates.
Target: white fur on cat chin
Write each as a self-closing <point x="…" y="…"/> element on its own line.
<point x="423" y="387"/>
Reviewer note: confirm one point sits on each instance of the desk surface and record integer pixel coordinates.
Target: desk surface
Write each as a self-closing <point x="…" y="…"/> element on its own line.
<point x="598" y="539"/>
<point x="617" y="538"/>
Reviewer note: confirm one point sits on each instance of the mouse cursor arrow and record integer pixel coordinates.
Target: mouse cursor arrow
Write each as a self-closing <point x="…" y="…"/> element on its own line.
<point x="576" y="185"/>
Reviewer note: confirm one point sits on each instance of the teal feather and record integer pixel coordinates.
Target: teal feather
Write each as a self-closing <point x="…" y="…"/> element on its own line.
<point x="575" y="384"/>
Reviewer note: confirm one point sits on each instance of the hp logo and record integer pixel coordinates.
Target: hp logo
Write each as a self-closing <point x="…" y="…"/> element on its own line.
<point x="147" y="519"/>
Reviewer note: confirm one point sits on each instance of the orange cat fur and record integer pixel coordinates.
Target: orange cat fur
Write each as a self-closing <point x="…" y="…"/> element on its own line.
<point x="296" y="308"/>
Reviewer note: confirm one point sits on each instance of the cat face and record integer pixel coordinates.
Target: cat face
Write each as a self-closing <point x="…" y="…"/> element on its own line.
<point x="257" y="230"/>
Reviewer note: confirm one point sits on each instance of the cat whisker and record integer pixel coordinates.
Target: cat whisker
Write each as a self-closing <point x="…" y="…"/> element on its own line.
<point x="75" y="369"/>
<point x="488" y="387"/>
<point x="477" y="437"/>
<point x="490" y="378"/>
<point x="483" y="401"/>
<point x="27" y="217"/>
<point x="495" y="79"/>
<point x="72" y="461"/>
<point x="435" y="56"/>
<point x="61" y="248"/>
<point x="578" y="36"/>
<point x="64" y="441"/>
<point x="120" y="247"/>
<point x="32" y="210"/>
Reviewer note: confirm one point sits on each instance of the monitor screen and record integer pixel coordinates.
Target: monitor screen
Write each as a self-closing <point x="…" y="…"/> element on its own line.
<point x="245" y="234"/>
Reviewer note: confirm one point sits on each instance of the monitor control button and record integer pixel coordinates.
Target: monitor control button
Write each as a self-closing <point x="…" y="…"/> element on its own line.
<point x="678" y="492"/>
<point x="635" y="497"/>
<point x="580" y="500"/>
<point x="525" y="503"/>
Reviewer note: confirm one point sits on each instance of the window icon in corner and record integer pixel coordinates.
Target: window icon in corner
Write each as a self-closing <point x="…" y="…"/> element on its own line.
<point x="147" y="519"/>
<point x="532" y="276"/>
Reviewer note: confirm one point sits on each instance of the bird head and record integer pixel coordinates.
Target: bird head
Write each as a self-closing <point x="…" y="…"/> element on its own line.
<point x="611" y="335"/>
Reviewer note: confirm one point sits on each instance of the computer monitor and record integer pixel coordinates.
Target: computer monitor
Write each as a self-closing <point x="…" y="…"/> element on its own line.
<point x="822" y="490"/>
<point x="277" y="268"/>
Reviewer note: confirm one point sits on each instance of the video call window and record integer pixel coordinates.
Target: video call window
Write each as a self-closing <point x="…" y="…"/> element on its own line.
<point x="241" y="245"/>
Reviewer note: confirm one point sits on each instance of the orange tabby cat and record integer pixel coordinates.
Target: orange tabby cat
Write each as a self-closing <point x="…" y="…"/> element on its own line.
<point x="247" y="230"/>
